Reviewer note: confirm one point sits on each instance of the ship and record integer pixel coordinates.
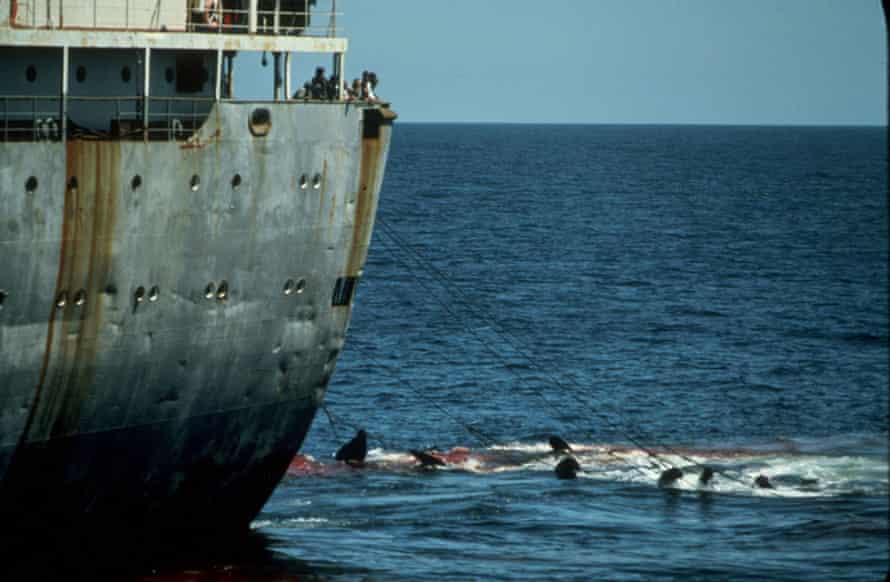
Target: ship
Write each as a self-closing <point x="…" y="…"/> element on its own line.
<point x="177" y="265"/>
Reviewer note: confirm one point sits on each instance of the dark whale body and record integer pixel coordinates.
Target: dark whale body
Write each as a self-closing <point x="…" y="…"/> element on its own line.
<point x="567" y="468"/>
<point x="355" y="451"/>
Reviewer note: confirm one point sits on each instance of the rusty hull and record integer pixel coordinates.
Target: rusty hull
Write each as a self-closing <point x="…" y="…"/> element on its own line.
<point x="134" y="392"/>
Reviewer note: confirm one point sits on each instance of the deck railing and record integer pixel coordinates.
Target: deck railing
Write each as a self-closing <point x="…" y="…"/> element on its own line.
<point x="40" y="118"/>
<point x="269" y="17"/>
<point x="30" y="118"/>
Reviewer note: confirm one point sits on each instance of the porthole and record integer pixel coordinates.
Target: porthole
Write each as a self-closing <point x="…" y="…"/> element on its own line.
<point x="72" y="183"/>
<point x="195" y="183"/>
<point x="80" y="298"/>
<point x="169" y="76"/>
<point x="62" y="300"/>
<point x="222" y="293"/>
<point x="288" y="287"/>
<point x="2" y="298"/>
<point x="81" y="74"/>
<point x="316" y="181"/>
<point x="31" y="185"/>
<point x="301" y="286"/>
<point x="236" y="181"/>
<point x="125" y="74"/>
<point x="136" y="182"/>
<point x="304" y="182"/>
<point x="154" y="294"/>
<point x="210" y="291"/>
<point x="31" y="73"/>
<point x="139" y="295"/>
<point x="260" y="122"/>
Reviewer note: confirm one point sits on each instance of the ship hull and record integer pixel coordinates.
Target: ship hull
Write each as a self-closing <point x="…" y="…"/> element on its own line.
<point x="173" y="312"/>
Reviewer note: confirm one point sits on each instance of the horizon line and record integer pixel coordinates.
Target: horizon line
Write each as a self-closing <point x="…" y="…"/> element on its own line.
<point x="657" y="123"/>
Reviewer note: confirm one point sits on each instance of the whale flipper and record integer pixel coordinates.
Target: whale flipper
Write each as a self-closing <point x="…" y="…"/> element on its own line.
<point x="559" y="445"/>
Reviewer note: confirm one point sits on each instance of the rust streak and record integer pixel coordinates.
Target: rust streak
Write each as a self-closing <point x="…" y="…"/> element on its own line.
<point x="96" y="274"/>
<point x="68" y="212"/>
<point x="364" y="204"/>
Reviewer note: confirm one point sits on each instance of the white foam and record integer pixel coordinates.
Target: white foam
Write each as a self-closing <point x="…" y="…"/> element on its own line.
<point x="792" y="473"/>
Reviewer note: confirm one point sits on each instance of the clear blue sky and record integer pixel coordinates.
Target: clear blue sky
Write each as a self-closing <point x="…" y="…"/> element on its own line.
<point x="624" y="61"/>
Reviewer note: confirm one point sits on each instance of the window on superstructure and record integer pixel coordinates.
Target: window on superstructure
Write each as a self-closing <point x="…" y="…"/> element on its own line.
<point x="81" y="74"/>
<point x="31" y="73"/>
<point x="125" y="74"/>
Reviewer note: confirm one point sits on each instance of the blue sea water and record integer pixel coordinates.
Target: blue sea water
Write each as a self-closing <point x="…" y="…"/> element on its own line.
<point x="713" y="295"/>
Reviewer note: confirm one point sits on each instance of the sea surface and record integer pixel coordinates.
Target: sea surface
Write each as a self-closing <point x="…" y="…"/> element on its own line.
<point x="659" y="297"/>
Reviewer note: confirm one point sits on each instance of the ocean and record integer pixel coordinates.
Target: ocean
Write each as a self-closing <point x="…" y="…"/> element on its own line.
<point x="658" y="296"/>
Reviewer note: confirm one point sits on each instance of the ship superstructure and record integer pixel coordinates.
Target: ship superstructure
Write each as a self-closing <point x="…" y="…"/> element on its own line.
<point x="177" y="266"/>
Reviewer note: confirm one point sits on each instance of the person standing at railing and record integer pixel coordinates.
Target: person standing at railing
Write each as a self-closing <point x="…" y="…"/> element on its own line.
<point x="333" y="82"/>
<point x="372" y="81"/>
<point x="355" y="92"/>
<point x="367" y="87"/>
<point x="319" y="84"/>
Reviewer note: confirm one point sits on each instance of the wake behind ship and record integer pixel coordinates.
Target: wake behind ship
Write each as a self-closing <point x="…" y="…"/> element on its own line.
<point x="177" y="266"/>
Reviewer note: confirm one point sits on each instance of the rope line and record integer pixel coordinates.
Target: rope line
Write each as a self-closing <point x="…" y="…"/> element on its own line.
<point x="521" y="350"/>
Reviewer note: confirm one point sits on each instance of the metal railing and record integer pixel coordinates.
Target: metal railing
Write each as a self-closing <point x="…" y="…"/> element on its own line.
<point x="30" y="118"/>
<point x="266" y="18"/>
<point x="176" y="118"/>
<point x="40" y="118"/>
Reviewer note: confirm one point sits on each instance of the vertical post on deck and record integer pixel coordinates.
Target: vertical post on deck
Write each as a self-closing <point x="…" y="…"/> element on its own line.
<point x="340" y="68"/>
<point x="218" y="89"/>
<point x="333" y="21"/>
<point x="230" y="76"/>
<point x="287" y="76"/>
<point x="146" y="93"/>
<point x="275" y="17"/>
<point x="251" y="17"/>
<point x="63" y="106"/>
<point x="277" y="66"/>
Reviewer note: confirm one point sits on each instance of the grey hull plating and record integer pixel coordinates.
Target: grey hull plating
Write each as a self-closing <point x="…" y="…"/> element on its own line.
<point x="167" y="330"/>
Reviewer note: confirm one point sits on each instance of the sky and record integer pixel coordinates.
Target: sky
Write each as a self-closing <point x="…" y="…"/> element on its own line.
<point x="770" y="62"/>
